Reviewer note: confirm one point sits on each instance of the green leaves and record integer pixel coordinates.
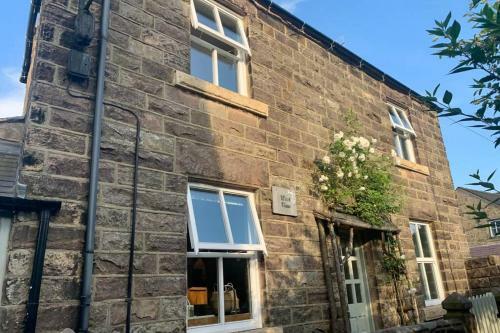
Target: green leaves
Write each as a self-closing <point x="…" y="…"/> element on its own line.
<point x="447" y="97"/>
<point x="454" y="31"/>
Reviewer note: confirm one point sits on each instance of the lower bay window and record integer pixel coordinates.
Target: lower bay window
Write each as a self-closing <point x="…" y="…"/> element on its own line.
<point x="224" y="240"/>
<point x="430" y="277"/>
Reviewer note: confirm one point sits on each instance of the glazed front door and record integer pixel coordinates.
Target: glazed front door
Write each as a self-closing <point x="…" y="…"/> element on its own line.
<point x="357" y="296"/>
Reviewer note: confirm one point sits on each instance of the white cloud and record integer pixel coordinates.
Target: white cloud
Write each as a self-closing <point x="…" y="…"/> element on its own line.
<point x="290" y="5"/>
<point x="12" y="96"/>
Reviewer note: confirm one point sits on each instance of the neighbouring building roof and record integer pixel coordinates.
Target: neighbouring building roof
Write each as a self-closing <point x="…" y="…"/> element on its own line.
<point x="488" y="196"/>
<point x="485" y="250"/>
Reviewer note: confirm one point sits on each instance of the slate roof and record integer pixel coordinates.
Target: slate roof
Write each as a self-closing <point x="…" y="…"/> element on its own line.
<point x="9" y="164"/>
<point x="485" y="250"/>
<point x="488" y="196"/>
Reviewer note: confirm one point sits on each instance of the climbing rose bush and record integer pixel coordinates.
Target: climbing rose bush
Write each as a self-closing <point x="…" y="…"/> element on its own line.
<point x="354" y="178"/>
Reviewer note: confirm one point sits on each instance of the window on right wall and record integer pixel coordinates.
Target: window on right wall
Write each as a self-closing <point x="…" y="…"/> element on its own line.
<point x="430" y="277"/>
<point x="403" y="133"/>
<point x="495" y="228"/>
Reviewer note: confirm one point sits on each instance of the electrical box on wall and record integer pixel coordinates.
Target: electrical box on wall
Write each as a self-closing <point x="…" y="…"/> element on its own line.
<point x="84" y="29"/>
<point x="79" y="65"/>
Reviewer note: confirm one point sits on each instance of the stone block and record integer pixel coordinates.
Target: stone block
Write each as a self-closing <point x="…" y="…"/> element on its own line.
<point x="165" y="243"/>
<point x="56" y="140"/>
<point x="117" y="263"/>
<point x="207" y="162"/>
<point x="154" y="286"/>
<point x="161" y="222"/>
<point x="172" y="308"/>
<point x="172" y="264"/>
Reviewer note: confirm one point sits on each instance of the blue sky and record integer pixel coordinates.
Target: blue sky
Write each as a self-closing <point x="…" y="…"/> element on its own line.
<point x="390" y="34"/>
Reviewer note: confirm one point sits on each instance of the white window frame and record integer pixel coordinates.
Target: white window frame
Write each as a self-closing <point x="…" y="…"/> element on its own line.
<point x="428" y="260"/>
<point x="402" y="135"/>
<point x="5" y="225"/>
<point x="254" y="285"/>
<point x="243" y="49"/>
<point x="495" y="228"/>
<point x="193" y="232"/>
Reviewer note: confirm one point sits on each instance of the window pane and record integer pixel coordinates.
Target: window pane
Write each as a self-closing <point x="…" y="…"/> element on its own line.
<point x="413" y="230"/>
<point x="355" y="274"/>
<point x="350" y="299"/>
<point x="202" y="281"/>
<point x="230" y="28"/>
<point x="208" y="216"/>
<point x="423" y="278"/>
<point x="424" y="240"/>
<point x="201" y="63"/>
<point x="404" y="150"/>
<point x="394" y="117"/>
<point x="359" y="298"/>
<point x="431" y="280"/>
<point x="237" y="299"/>
<point x="397" y="145"/>
<point x="241" y="219"/>
<point x="346" y="271"/>
<point x="404" y="119"/>
<point x="205" y="14"/>
<point x="495" y="228"/>
<point x="227" y="73"/>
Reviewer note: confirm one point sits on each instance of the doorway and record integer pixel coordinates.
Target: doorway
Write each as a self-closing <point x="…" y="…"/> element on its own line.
<point x="358" y="298"/>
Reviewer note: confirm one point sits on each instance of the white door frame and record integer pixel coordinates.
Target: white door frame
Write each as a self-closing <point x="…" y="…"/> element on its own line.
<point x="5" y="225"/>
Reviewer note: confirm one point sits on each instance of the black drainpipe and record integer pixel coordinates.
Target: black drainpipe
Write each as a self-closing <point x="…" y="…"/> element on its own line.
<point x="30" y="34"/>
<point x="44" y="209"/>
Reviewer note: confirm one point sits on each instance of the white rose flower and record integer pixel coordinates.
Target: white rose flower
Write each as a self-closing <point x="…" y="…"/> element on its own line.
<point x="349" y="174"/>
<point x="362" y="157"/>
<point x="363" y="142"/>
<point x="323" y="178"/>
<point x="348" y="144"/>
<point x="403" y="257"/>
<point x="352" y="158"/>
<point x="371" y="150"/>
<point x="340" y="174"/>
<point x="365" y="177"/>
<point x="338" y="136"/>
<point x="341" y="154"/>
<point x="362" y="188"/>
<point x="324" y="188"/>
<point x="326" y="159"/>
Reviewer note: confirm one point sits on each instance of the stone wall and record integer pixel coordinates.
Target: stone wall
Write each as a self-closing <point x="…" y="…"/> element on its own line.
<point x="484" y="274"/>
<point x="12" y="129"/>
<point x="187" y="136"/>
<point x="474" y="235"/>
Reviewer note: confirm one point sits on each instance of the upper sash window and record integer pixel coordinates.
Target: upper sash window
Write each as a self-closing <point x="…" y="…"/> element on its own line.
<point x="403" y="133"/>
<point x="219" y="47"/>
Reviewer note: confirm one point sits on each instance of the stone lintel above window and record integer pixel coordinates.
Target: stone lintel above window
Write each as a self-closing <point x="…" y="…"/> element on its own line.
<point x="412" y="166"/>
<point x="219" y="94"/>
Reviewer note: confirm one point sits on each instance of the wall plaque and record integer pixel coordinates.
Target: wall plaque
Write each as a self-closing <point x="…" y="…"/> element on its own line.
<point x="284" y="201"/>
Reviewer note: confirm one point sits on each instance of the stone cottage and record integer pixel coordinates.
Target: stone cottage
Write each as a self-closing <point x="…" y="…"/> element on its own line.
<point x="234" y="101"/>
<point x="482" y="241"/>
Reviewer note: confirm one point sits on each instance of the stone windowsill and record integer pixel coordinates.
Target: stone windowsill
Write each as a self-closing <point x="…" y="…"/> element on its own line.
<point x="222" y="95"/>
<point x="408" y="165"/>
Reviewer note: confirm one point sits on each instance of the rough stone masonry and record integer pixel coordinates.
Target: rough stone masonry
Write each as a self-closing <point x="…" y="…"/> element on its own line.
<point x="188" y="136"/>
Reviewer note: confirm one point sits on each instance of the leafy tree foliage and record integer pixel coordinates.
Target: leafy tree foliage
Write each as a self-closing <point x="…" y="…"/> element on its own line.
<point x="479" y="55"/>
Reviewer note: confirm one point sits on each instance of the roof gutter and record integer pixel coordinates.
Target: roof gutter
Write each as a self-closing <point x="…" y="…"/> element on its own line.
<point x="339" y="50"/>
<point x="30" y="34"/>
